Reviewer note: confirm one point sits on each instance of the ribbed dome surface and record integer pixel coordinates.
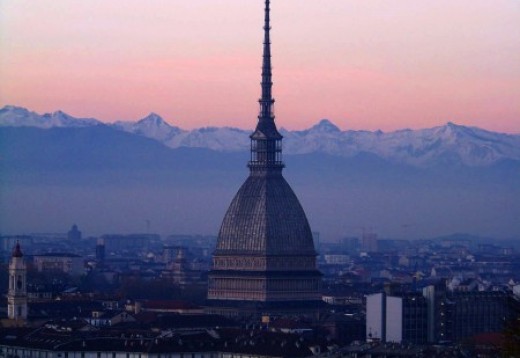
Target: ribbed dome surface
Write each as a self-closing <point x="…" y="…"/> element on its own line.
<point x="265" y="218"/>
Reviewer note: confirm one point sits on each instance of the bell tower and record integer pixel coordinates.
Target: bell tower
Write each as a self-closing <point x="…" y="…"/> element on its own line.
<point x="17" y="293"/>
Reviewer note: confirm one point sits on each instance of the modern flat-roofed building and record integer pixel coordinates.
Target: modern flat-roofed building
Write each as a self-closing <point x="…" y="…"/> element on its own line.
<point x="399" y="319"/>
<point x="454" y="316"/>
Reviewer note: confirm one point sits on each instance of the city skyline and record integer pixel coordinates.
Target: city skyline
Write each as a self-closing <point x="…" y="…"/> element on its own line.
<point x="387" y="236"/>
<point x="367" y="65"/>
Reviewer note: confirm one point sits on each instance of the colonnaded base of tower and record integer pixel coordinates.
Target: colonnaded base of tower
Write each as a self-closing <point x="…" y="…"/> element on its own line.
<point x="256" y="294"/>
<point x="257" y="310"/>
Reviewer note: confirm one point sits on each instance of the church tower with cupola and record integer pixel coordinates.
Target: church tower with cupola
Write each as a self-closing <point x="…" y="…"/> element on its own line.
<point x="17" y="293"/>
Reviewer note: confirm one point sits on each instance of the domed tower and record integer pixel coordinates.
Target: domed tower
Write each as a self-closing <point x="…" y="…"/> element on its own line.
<point x="265" y="261"/>
<point x="17" y="293"/>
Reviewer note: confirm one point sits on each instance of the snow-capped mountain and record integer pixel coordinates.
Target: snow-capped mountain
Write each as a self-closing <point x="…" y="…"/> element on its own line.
<point x="13" y="116"/>
<point x="450" y="143"/>
<point x="223" y="139"/>
<point x="151" y="126"/>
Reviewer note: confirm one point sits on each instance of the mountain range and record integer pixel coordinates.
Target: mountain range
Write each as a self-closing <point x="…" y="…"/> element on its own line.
<point x="56" y="170"/>
<point x="450" y="143"/>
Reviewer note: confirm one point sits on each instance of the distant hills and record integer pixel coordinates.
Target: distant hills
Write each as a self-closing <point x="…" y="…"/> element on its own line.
<point x="56" y="170"/>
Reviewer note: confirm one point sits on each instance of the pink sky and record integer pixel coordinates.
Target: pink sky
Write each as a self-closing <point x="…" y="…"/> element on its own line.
<point x="362" y="64"/>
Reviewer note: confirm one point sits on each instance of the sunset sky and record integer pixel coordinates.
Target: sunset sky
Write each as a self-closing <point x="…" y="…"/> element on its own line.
<point x="363" y="64"/>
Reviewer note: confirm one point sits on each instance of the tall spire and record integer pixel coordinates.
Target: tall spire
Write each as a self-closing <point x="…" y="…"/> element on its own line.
<point x="266" y="141"/>
<point x="267" y="101"/>
<point x="17" y="251"/>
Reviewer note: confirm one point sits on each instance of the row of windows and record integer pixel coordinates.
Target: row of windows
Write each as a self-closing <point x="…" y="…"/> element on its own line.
<point x="251" y="284"/>
<point x="237" y="284"/>
<point x="256" y="263"/>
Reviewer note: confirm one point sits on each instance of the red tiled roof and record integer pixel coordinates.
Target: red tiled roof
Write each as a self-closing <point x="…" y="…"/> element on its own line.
<point x="495" y="339"/>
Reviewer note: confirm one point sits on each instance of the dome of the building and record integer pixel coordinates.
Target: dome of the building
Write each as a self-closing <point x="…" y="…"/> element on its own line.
<point x="265" y="218"/>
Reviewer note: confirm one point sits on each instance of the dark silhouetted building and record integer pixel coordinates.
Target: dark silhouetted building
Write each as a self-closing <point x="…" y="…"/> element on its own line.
<point x="100" y="251"/>
<point x="369" y="242"/>
<point x="137" y="242"/>
<point x="454" y="316"/>
<point x="74" y="234"/>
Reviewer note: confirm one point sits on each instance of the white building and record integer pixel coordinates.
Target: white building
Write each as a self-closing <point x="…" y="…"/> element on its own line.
<point x="17" y="292"/>
<point x="398" y="319"/>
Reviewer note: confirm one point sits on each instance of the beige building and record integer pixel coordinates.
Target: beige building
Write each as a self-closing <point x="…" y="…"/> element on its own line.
<point x="67" y="263"/>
